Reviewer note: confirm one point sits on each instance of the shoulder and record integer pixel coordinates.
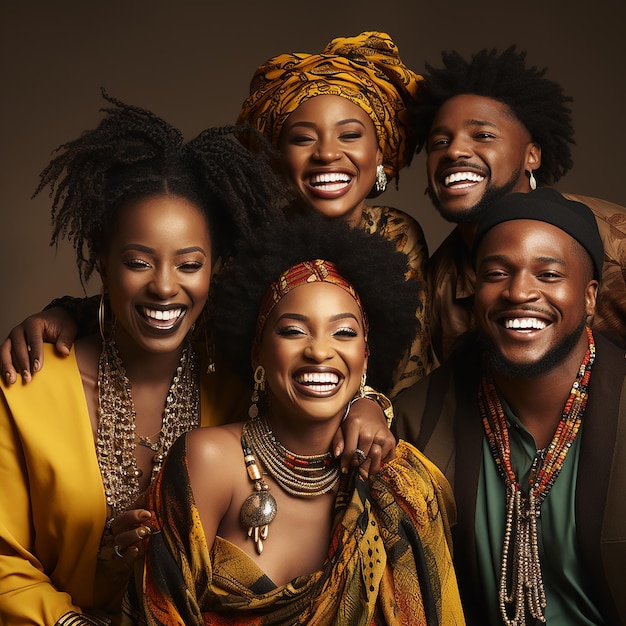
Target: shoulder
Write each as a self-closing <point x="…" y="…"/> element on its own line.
<point x="59" y="374"/>
<point x="212" y="446"/>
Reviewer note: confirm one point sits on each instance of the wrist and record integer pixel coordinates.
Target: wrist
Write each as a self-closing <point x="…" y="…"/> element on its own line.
<point x="369" y="393"/>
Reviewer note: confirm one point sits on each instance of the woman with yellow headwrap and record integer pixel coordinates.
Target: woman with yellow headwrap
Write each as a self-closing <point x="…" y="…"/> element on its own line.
<point x="340" y="122"/>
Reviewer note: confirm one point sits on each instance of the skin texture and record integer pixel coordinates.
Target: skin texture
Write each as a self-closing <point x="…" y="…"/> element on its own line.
<point x="329" y="135"/>
<point x="481" y="140"/>
<point x="315" y="327"/>
<point x="535" y="274"/>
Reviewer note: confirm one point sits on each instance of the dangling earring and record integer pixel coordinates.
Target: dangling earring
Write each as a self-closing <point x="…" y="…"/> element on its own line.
<point x="210" y="345"/>
<point x="102" y="315"/>
<point x="532" y="181"/>
<point x="363" y="385"/>
<point x="259" y="388"/>
<point x="381" y="178"/>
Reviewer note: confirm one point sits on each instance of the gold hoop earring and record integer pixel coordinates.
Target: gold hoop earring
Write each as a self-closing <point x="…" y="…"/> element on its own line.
<point x="101" y="315"/>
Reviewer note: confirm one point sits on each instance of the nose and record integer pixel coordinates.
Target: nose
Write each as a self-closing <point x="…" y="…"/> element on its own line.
<point x="318" y="349"/>
<point x="459" y="148"/>
<point x="522" y="287"/>
<point x="164" y="284"/>
<point x="327" y="150"/>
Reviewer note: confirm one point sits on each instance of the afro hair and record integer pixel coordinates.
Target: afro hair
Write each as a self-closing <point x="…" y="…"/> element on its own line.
<point x="368" y="261"/>
<point x="537" y="102"/>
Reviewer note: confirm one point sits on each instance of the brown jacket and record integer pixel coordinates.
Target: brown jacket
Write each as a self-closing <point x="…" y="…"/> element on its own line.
<point x="440" y="416"/>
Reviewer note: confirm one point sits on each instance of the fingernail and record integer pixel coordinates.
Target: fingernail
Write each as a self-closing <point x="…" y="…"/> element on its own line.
<point x="344" y="470"/>
<point x="337" y="451"/>
<point x="36" y="365"/>
<point x="145" y="515"/>
<point x="26" y="375"/>
<point x="7" y="377"/>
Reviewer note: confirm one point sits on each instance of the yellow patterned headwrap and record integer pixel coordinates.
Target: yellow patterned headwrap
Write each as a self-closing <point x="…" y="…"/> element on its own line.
<point x="365" y="69"/>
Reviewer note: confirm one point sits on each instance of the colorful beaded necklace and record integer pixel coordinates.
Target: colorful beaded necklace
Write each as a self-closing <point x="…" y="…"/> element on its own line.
<point x="521" y="582"/>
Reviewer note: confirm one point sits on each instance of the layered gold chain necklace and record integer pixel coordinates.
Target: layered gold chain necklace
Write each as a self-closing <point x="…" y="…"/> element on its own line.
<point x="116" y="438"/>
<point x="304" y="476"/>
<point x="521" y="582"/>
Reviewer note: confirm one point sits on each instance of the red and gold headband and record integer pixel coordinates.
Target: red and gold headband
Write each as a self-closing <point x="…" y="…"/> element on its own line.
<point x="301" y="274"/>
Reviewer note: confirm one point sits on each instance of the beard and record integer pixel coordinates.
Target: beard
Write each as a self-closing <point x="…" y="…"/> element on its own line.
<point x="472" y="214"/>
<point x="554" y="357"/>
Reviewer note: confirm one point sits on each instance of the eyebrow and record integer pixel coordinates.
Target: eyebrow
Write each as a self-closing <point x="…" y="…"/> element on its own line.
<point x="350" y="120"/>
<point x="304" y="318"/>
<point x="148" y="250"/>
<point x="466" y="124"/>
<point x="540" y="259"/>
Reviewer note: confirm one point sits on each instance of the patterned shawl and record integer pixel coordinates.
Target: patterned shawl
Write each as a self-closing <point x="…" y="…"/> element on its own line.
<point x="388" y="561"/>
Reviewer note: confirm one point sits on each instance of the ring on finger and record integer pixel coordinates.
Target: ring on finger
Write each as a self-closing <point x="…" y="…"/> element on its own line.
<point x="359" y="455"/>
<point x="116" y="549"/>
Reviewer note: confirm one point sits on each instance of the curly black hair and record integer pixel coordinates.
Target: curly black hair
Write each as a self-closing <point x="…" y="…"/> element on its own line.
<point x="133" y="154"/>
<point x="368" y="261"/>
<point x="537" y="102"/>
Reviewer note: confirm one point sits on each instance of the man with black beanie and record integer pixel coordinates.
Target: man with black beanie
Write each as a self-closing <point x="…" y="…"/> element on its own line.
<point x="527" y="419"/>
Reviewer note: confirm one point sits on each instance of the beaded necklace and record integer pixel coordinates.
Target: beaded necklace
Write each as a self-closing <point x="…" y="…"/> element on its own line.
<point x="521" y="582"/>
<point x="116" y="439"/>
<point x="304" y="476"/>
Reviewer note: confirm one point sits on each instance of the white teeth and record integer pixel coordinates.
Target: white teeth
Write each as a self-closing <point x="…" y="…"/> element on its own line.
<point x="157" y="314"/>
<point x="318" y="378"/>
<point x="458" y="177"/>
<point x="330" y="180"/>
<point x="525" y="323"/>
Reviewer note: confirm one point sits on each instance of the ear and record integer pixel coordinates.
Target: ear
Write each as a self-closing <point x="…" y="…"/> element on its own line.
<point x="591" y="294"/>
<point x="379" y="157"/>
<point x="533" y="156"/>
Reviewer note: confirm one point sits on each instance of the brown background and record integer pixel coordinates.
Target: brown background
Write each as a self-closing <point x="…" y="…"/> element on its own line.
<point x="191" y="63"/>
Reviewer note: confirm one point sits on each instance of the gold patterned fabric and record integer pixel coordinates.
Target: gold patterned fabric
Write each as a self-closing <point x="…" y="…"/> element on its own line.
<point x="408" y="236"/>
<point x="388" y="560"/>
<point x="365" y="69"/>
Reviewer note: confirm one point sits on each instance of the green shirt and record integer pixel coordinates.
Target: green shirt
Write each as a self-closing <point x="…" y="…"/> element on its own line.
<point x="565" y="581"/>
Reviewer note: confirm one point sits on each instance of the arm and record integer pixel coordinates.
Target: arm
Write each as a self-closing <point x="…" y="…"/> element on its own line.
<point x="60" y="323"/>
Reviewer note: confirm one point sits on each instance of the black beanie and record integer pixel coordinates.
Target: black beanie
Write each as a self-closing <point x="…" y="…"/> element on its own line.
<point x="547" y="205"/>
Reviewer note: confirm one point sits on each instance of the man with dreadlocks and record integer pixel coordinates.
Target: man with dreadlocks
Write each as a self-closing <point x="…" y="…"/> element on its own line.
<point x="492" y="126"/>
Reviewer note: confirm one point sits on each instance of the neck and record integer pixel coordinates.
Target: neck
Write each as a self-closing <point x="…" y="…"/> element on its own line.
<point x="141" y="365"/>
<point x="538" y="402"/>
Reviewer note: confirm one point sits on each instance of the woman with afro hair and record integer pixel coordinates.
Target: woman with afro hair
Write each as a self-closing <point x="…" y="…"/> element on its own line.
<point x="254" y="522"/>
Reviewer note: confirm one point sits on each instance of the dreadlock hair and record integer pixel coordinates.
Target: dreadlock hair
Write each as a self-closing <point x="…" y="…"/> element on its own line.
<point x="538" y="103"/>
<point x="133" y="154"/>
<point x="368" y="261"/>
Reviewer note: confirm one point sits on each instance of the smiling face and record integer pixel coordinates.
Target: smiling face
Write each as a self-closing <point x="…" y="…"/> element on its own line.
<point x="314" y="353"/>
<point x="478" y="152"/>
<point x="534" y="293"/>
<point x="331" y="152"/>
<point x="157" y="272"/>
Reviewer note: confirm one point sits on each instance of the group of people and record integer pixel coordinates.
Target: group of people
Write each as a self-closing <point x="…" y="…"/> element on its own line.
<point x="213" y="439"/>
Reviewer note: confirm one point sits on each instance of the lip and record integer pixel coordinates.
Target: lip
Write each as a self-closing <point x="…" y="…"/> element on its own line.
<point x="161" y="319"/>
<point x="464" y="178"/>
<point x="318" y="382"/>
<point x="523" y="323"/>
<point x="328" y="184"/>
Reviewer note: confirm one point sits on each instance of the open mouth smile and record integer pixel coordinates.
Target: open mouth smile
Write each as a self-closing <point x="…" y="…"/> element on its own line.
<point x="524" y="323"/>
<point x="318" y="382"/>
<point x="462" y="179"/>
<point x="330" y="181"/>
<point x="162" y="319"/>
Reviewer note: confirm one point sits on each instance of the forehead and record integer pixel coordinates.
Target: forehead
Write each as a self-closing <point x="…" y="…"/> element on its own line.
<point x="527" y="241"/>
<point x="317" y="299"/>
<point x="470" y="109"/>
<point x="329" y="108"/>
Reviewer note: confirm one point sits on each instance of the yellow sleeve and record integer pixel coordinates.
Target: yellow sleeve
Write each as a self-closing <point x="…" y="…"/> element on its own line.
<point x="52" y="505"/>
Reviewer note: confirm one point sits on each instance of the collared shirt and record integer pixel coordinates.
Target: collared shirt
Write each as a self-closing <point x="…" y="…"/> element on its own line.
<point x="565" y="580"/>
<point x="452" y="281"/>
